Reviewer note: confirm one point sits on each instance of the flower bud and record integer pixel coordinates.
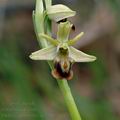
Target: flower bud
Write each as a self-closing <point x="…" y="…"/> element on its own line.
<point x="59" y="12"/>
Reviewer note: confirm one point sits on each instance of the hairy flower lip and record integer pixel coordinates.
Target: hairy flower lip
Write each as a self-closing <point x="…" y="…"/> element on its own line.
<point x="59" y="73"/>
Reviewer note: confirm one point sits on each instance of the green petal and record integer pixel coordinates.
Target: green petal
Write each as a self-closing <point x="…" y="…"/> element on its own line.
<point x="74" y="40"/>
<point x="79" y="56"/>
<point x="59" y="12"/>
<point x="64" y="31"/>
<point x="48" y="53"/>
<point x="48" y="38"/>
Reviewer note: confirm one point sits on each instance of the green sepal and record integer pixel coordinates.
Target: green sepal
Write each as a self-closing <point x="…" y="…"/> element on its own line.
<point x="48" y="53"/>
<point x="64" y="31"/>
<point x="59" y="12"/>
<point x="79" y="56"/>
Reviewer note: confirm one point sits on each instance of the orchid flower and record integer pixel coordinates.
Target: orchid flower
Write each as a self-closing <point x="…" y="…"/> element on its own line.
<point x="62" y="52"/>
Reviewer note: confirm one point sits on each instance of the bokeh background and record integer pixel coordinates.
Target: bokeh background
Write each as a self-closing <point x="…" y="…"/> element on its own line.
<point x="27" y="89"/>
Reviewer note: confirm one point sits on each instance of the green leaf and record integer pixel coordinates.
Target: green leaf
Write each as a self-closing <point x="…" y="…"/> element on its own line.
<point x="79" y="56"/>
<point x="48" y="53"/>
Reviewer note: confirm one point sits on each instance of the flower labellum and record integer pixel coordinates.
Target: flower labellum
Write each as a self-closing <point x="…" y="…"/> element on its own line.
<point x="62" y="52"/>
<point x="62" y="68"/>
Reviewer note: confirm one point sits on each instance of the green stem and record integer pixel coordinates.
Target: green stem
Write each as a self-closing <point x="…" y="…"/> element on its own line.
<point x="39" y="22"/>
<point x="72" y="108"/>
<point x="39" y="28"/>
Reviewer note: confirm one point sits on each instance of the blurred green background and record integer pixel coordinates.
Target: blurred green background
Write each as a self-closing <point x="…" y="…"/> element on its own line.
<point x="27" y="89"/>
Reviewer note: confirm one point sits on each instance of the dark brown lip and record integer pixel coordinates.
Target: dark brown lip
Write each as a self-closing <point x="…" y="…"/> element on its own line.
<point x="59" y="73"/>
<point x="56" y="75"/>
